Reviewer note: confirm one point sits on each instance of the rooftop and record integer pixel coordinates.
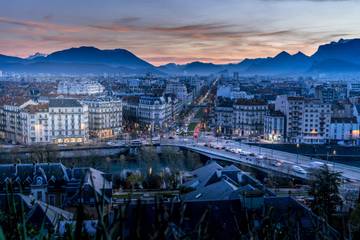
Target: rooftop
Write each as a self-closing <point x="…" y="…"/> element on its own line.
<point x="64" y="102"/>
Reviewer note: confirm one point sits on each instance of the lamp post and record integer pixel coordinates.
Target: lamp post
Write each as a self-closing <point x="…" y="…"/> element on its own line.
<point x="297" y="156"/>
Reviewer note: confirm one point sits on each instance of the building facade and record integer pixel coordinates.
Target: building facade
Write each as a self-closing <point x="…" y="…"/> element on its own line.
<point x="249" y="117"/>
<point x="224" y="116"/>
<point x="105" y="117"/>
<point x="79" y="88"/>
<point x="68" y="120"/>
<point x="345" y="130"/>
<point x="307" y="120"/>
<point x="152" y="111"/>
<point x="274" y="126"/>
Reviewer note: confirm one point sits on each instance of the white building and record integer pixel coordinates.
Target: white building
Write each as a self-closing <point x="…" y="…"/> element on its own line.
<point x="35" y="124"/>
<point x="353" y="89"/>
<point x="181" y="92"/>
<point x="105" y="116"/>
<point x="249" y="117"/>
<point x="12" y="125"/>
<point x="232" y="92"/>
<point x="79" y="88"/>
<point x="68" y="121"/>
<point x="307" y="120"/>
<point x="274" y="126"/>
<point x="152" y="111"/>
<point x="344" y="130"/>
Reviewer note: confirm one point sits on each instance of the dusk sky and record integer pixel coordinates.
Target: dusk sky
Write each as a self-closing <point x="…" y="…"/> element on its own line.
<point x="180" y="31"/>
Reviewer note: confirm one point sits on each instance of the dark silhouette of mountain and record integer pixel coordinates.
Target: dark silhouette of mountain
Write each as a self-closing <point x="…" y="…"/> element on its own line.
<point x="333" y="58"/>
<point x="336" y="57"/>
<point x="334" y="66"/>
<point x="64" y="68"/>
<point x="345" y="50"/>
<point x="116" y="57"/>
<point x="36" y="56"/>
<point x="199" y="68"/>
<point x="283" y="63"/>
<point x="10" y="59"/>
<point x="79" y="61"/>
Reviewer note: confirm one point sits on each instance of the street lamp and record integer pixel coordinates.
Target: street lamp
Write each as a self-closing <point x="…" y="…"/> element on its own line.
<point x="297" y="156"/>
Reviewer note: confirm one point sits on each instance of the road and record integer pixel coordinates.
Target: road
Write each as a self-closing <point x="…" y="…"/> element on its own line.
<point x="264" y="157"/>
<point x="191" y="117"/>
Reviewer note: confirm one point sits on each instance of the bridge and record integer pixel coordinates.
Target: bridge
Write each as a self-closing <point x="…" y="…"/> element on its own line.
<point x="265" y="159"/>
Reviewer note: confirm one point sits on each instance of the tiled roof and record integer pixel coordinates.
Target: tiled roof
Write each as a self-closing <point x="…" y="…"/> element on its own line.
<point x="43" y="107"/>
<point x="64" y="103"/>
<point x="14" y="101"/>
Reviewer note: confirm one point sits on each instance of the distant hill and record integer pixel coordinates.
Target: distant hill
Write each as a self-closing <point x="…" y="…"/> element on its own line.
<point x="116" y="57"/>
<point x="79" y="61"/>
<point x="345" y="50"/>
<point x="9" y="59"/>
<point x="338" y="57"/>
<point x="198" y="68"/>
<point x="333" y="58"/>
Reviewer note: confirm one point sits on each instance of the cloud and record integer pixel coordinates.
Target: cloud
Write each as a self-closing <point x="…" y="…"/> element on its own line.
<point x="38" y="25"/>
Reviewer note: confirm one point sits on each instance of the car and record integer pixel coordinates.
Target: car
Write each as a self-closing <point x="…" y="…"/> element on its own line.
<point x="298" y="169"/>
<point x="277" y="163"/>
<point x="318" y="164"/>
<point x="136" y="143"/>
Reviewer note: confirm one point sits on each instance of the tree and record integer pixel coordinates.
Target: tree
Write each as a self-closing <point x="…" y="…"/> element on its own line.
<point x="133" y="180"/>
<point x="325" y="190"/>
<point x="354" y="223"/>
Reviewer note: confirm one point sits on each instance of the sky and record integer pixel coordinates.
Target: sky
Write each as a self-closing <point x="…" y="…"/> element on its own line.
<point x="180" y="31"/>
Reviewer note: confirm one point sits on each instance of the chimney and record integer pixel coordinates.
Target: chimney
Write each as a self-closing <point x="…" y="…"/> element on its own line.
<point x="34" y="168"/>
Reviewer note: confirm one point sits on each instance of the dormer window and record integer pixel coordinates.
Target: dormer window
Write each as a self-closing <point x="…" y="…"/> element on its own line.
<point x="28" y="180"/>
<point x="39" y="181"/>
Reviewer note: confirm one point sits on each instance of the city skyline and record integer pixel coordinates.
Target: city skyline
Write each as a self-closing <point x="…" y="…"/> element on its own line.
<point x="178" y="31"/>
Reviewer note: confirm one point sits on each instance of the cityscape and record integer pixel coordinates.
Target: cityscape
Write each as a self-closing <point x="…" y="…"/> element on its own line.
<point x="154" y="120"/>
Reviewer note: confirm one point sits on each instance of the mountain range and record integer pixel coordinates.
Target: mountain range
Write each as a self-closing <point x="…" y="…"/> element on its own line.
<point x="341" y="57"/>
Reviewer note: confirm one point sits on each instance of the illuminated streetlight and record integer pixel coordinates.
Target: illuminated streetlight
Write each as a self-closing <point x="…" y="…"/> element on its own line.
<point x="297" y="149"/>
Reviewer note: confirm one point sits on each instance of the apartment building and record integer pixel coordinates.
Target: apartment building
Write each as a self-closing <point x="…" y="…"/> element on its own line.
<point x="315" y="128"/>
<point x="249" y="117"/>
<point x="105" y="116"/>
<point x="79" y="87"/>
<point x="344" y="129"/>
<point x="224" y="116"/>
<point x="181" y="92"/>
<point x="35" y="124"/>
<point x="274" y="126"/>
<point x="173" y="107"/>
<point x="152" y="111"/>
<point x="12" y="124"/>
<point x="68" y="120"/>
<point x="292" y="108"/>
<point x="307" y="120"/>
